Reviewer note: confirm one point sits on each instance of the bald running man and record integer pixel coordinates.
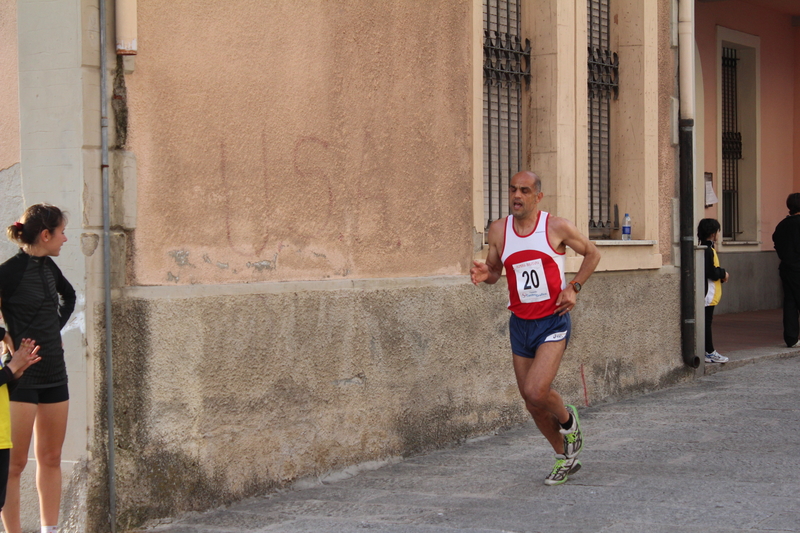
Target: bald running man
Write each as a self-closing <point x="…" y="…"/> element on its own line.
<point x="531" y="245"/>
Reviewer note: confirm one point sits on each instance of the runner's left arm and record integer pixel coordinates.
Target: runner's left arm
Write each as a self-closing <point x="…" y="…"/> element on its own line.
<point x="570" y="236"/>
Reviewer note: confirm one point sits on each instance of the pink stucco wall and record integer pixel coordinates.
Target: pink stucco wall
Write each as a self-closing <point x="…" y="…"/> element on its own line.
<point x="301" y="140"/>
<point x="779" y="123"/>
<point x="796" y="182"/>
<point x="9" y="86"/>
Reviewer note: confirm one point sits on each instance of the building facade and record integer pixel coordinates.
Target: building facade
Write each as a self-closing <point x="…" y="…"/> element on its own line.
<point x="296" y="193"/>
<point x="749" y="129"/>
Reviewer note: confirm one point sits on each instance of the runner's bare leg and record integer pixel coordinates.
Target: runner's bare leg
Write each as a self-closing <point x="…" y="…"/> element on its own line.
<point x="534" y="379"/>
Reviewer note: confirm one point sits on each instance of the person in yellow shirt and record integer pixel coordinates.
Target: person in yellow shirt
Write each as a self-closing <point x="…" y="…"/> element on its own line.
<point x="12" y="368"/>
<point x="707" y="233"/>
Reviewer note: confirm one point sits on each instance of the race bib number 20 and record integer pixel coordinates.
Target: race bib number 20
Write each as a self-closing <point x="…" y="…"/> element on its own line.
<point x="531" y="283"/>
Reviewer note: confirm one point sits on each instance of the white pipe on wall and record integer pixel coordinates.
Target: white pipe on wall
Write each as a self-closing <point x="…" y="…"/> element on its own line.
<point x="692" y="321"/>
<point x="125" y="12"/>
<point x="686" y="57"/>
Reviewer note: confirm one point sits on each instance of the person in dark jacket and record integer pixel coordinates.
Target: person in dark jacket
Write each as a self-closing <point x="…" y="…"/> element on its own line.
<point x="787" y="243"/>
<point x="36" y="301"/>
<point x="707" y="233"/>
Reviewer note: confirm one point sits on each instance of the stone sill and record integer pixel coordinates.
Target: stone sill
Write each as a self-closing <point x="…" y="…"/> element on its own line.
<point x="741" y="243"/>
<point x="634" y="242"/>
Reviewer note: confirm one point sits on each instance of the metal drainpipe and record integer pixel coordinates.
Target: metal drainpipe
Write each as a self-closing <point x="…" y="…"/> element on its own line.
<point x="112" y="491"/>
<point x="686" y="139"/>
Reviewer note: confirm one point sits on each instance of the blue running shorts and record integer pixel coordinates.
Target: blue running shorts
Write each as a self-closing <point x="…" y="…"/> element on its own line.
<point x="528" y="335"/>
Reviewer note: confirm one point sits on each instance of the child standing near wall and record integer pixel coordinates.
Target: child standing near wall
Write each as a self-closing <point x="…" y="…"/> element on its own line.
<point x="37" y="300"/>
<point x="707" y="233"/>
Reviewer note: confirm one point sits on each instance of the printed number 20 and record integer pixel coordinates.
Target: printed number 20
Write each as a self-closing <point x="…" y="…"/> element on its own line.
<point x="531" y="277"/>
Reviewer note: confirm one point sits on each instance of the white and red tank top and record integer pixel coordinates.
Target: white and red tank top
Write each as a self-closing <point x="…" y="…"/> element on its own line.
<point x="534" y="269"/>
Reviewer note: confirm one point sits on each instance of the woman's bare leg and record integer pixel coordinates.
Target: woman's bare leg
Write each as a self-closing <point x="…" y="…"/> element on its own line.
<point x="50" y="429"/>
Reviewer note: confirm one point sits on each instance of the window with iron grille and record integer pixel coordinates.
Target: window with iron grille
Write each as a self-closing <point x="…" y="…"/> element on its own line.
<point x="603" y="78"/>
<point x="506" y="65"/>
<point x="731" y="146"/>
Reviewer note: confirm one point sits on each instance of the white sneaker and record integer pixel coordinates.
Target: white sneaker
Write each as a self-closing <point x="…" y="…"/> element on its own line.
<point x="563" y="468"/>
<point x="573" y="437"/>
<point x="715" y="357"/>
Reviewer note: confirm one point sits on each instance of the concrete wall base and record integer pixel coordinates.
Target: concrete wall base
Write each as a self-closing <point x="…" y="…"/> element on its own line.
<point x="219" y="397"/>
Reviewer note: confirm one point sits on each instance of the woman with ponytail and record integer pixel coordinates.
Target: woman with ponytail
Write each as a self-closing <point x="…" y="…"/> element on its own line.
<point x="36" y="301"/>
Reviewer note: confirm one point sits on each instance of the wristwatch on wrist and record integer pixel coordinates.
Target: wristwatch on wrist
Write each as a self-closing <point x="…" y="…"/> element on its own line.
<point x="576" y="286"/>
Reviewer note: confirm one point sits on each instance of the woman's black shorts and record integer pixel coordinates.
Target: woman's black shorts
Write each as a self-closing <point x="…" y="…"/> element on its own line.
<point x="57" y="394"/>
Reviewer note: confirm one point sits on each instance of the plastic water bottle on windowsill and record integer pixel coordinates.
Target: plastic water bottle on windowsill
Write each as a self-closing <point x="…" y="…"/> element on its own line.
<point x="626" y="228"/>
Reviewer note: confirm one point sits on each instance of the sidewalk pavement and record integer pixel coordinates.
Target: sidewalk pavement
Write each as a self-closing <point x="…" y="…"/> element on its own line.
<point x="749" y="337"/>
<point x="719" y="454"/>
